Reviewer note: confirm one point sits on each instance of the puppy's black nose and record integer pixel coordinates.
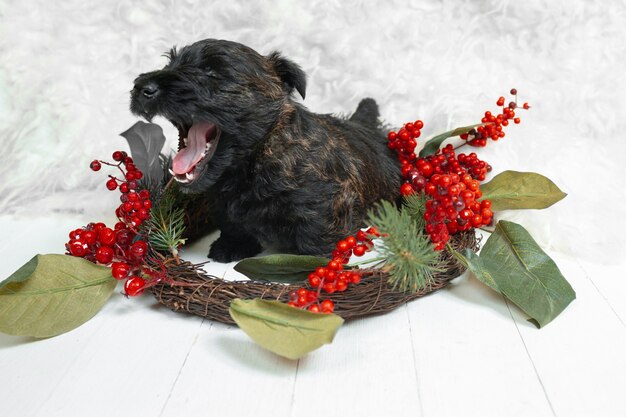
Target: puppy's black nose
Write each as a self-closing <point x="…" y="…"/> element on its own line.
<point x="149" y="91"/>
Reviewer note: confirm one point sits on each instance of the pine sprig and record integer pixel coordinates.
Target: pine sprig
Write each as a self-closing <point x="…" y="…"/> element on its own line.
<point x="167" y="224"/>
<point x="410" y="257"/>
<point x="415" y="206"/>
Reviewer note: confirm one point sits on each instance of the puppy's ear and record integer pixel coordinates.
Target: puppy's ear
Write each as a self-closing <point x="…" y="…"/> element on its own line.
<point x="291" y="74"/>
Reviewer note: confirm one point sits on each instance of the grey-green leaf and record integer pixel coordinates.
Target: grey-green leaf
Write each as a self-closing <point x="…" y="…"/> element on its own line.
<point x="434" y="143"/>
<point x="512" y="263"/>
<point x="53" y="294"/>
<point x="513" y="190"/>
<point x="279" y="268"/>
<point x="146" y="141"/>
<point x="284" y="330"/>
<point x="481" y="268"/>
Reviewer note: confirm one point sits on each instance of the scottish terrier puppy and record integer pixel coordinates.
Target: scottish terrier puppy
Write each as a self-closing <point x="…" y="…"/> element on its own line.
<point x="280" y="176"/>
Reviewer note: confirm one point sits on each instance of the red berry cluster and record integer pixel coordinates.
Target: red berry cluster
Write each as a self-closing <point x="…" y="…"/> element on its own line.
<point x="120" y="247"/>
<point x="404" y="141"/>
<point x="135" y="206"/>
<point x="493" y="127"/>
<point x="453" y="190"/>
<point x="332" y="277"/>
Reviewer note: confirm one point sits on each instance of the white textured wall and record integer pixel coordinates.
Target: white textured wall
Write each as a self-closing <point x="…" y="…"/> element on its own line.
<point x="66" y="68"/>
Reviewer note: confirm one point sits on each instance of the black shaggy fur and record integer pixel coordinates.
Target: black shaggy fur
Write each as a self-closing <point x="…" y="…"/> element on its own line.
<point x="281" y="177"/>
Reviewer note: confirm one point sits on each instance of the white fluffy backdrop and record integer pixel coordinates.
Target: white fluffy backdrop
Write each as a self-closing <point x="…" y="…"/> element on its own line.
<point x="66" y="68"/>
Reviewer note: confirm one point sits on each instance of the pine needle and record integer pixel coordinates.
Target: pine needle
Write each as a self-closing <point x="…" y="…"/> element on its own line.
<point x="411" y="257"/>
<point x="167" y="224"/>
<point x="415" y="206"/>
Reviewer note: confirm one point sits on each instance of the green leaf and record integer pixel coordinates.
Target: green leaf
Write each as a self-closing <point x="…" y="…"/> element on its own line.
<point x="481" y="268"/>
<point x="53" y="294"/>
<point x="513" y="264"/>
<point x="282" y="329"/>
<point x="280" y="268"/>
<point x="512" y="190"/>
<point x="434" y="143"/>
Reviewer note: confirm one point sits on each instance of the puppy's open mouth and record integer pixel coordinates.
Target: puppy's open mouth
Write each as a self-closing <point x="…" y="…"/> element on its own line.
<point x="197" y="146"/>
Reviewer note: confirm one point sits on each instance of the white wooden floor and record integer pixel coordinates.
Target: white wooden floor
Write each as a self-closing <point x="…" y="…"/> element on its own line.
<point x="463" y="351"/>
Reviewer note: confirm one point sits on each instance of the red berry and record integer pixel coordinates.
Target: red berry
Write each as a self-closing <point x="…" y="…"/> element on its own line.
<point x="76" y="234"/>
<point x="134" y="286"/>
<point x="335" y="265"/>
<point x="95" y="166"/>
<point x="120" y="270"/>
<point x="98" y="226"/>
<point x="118" y="156"/>
<point x="314" y="308"/>
<point x="314" y="280"/>
<point x="143" y="214"/>
<point x="104" y="254"/>
<point x="106" y="236"/>
<point x="327" y="306"/>
<point x="359" y="250"/>
<point x="406" y="189"/>
<point x="138" y="249"/>
<point x="90" y="237"/>
<point x="329" y="288"/>
<point x="342" y="246"/>
<point x="373" y="231"/>
<point x="111" y="184"/>
<point x="513" y="91"/>
<point x="77" y="249"/>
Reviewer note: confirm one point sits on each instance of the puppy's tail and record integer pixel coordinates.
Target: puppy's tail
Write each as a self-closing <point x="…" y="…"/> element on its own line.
<point x="367" y="113"/>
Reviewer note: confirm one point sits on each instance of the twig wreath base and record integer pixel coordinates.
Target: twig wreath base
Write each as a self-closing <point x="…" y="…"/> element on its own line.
<point x="208" y="296"/>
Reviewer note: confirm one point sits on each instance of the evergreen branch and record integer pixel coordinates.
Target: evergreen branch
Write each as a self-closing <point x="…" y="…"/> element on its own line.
<point x="415" y="206"/>
<point x="167" y="223"/>
<point x="411" y="258"/>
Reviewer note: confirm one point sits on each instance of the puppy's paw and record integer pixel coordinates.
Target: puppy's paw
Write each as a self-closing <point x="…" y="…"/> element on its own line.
<point x="226" y="249"/>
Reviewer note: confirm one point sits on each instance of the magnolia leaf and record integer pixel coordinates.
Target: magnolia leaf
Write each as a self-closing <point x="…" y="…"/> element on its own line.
<point x="146" y="141"/>
<point x="53" y="294"/>
<point x="280" y="268"/>
<point x="481" y="268"/>
<point x="512" y="190"/>
<point x="287" y="331"/>
<point x="512" y="263"/>
<point x="434" y="143"/>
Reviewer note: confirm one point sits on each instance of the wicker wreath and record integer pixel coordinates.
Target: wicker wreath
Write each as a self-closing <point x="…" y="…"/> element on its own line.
<point x="207" y="296"/>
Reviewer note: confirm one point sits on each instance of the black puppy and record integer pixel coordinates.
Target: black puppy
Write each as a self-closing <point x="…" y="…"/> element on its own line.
<point x="281" y="176"/>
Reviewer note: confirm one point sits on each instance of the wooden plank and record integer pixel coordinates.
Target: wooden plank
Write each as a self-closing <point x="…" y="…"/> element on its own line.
<point x="128" y="366"/>
<point x="121" y="361"/>
<point x="227" y="374"/>
<point x="580" y="355"/>
<point x="469" y="357"/>
<point x="367" y="370"/>
<point x="609" y="283"/>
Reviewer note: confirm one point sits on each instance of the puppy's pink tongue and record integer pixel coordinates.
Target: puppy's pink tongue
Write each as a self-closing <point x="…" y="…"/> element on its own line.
<point x="187" y="158"/>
